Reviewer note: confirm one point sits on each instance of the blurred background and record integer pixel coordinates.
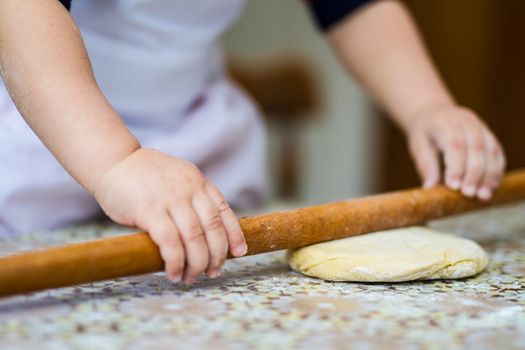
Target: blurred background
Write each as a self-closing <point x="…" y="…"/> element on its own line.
<point x="327" y="141"/>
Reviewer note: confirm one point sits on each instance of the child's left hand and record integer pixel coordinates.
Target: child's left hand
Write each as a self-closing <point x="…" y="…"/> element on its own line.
<point x="381" y="46"/>
<point x="473" y="158"/>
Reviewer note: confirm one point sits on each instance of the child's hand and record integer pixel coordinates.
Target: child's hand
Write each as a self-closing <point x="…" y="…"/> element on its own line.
<point x="473" y="158"/>
<point x="184" y="214"/>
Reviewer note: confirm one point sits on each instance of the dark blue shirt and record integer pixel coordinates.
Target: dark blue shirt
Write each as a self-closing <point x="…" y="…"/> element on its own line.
<point x="326" y="12"/>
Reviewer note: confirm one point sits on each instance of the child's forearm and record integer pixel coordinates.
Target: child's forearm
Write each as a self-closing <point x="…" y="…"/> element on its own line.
<point x="381" y="46"/>
<point x="46" y="69"/>
<point x="47" y="72"/>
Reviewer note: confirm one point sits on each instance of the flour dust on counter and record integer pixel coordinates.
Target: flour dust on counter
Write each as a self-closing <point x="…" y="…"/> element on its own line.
<point x="406" y="254"/>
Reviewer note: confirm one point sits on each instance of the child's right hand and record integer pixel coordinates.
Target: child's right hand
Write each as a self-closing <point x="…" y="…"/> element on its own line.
<point x="185" y="215"/>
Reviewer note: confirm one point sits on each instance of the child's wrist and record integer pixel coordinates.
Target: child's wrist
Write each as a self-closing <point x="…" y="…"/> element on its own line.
<point x="105" y="167"/>
<point x="412" y="115"/>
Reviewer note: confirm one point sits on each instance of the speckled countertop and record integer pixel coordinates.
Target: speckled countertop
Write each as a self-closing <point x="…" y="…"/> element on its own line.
<point x="258" y="303"/>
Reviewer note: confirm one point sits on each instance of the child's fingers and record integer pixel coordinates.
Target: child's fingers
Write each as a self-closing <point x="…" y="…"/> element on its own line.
<point x="453" y="145"/>
<point x="494" y="168"/>
<point x="197" y="254"/>
<point x="211" y="222"/>
<point x="236" y="240"/>
<point x="426" y="157"/>
<point x="163" y="232"/>
<point x="500" y="163"/>
<point x="476" y="161"/>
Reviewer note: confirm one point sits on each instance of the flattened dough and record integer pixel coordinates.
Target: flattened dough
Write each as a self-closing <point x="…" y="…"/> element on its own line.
<point x="406" y="254"/>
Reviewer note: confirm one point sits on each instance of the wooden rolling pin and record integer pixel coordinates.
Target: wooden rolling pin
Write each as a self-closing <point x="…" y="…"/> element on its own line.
<point x="136" y="254"/>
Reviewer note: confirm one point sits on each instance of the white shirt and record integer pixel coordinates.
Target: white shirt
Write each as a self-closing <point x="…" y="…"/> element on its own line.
<point x="160" y="66"/>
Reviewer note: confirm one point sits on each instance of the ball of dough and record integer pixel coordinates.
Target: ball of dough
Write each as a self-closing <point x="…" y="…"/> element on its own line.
<point x="406" y="254"/>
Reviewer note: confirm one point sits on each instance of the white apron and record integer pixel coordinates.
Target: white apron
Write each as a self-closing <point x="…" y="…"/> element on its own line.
<point x="159" y="65"/>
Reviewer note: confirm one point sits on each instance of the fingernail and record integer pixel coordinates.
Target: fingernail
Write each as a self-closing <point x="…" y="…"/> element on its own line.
<point x="215" y="273"/>
<point x="188" y="281"/>
<point x="240" y="249"/>
<point x="484" y="193"/>
<point x="175" y="278"/>
<point x="455" y="184"/>
<point x="469" y="191"/>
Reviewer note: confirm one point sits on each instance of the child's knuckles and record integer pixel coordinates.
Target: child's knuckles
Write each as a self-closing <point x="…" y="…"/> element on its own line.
<point x="194" y="232"/>
<point x="213" y="223"/>
<point x="194" y="177"/>
<point x="169" y="240"/>
<point x="194" y="183"/>
<point x="456" y="142"/>
<point x="478" y="146"/>
<point x="223" y="206"/>
<point x="476" y="142"/>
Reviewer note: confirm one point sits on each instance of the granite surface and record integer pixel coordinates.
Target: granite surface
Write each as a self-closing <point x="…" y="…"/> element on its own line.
<point x="259" y="303"/>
